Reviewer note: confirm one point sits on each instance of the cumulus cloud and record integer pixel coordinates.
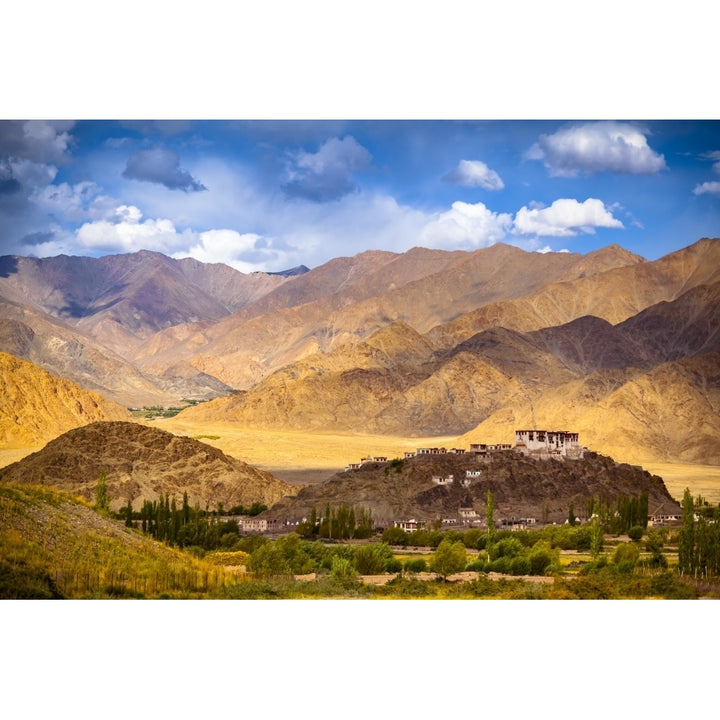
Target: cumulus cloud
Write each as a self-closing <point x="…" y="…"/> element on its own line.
<point x="65" y="201"/>
<point x="564" y="218"/>
<point x="708" y="188"/>
<point x="466" y="225"/>
<point x="229" y="247"/>
<point x="604" y="146"/>
<point x="126" y="233"/>
<point x="474" y="173"/>
<point x="327" y="174"/>
<point x="161" y="165"/>
<point x="715" y="157"/>
<point x="39" y="141"/>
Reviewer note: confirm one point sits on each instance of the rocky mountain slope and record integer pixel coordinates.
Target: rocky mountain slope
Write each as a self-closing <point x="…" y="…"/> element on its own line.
<point x="521" y="487"/>
<point x="36" y="406"/>
<point x="141" y="463"/>
<point x="426" y="342"/>
<point x="398" y="381"/>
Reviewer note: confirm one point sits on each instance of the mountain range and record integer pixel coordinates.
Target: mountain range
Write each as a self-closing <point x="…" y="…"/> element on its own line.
<point x="428" y="342"/>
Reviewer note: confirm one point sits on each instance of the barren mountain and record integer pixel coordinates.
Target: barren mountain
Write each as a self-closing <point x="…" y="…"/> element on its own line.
<point x="396" y="382"/>
<point x="62" y="350"/>
<point x="36" y="406"/>
<point x="669" y="414"/>
<point x="121" y="299"/>
<point x="521" y="487"/>
<point x="348" y="299"/>
<point x="141" y="463"/>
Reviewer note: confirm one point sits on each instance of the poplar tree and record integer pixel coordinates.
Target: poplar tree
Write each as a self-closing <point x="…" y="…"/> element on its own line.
<point x="102" y="501"/>
<point x="490" y="517"/>
<point x="686" y="536"/>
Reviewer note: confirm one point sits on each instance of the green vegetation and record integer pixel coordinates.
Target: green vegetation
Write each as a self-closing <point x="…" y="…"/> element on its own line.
<point x="56" y="546"/>
<point x="340" y="523"/>
<point x="152" y="412"/>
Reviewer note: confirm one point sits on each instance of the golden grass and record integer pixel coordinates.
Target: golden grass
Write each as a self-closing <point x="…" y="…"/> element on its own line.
<point x="701" y="479"/>
<point x="291" y="450"/>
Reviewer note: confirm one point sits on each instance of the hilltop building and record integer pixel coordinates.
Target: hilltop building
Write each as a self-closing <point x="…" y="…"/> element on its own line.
<point x="545" y="444"/>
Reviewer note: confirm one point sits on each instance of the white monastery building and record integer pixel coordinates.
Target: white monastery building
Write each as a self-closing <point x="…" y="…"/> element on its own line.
<point x="549" y="443"/>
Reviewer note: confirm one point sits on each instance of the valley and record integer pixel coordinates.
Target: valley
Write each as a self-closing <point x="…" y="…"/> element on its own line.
<point x="286" y="380"/>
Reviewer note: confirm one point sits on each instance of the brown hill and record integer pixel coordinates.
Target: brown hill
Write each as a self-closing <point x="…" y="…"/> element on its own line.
<point x="36" y="406"/>
<point x="141" y="463"/>
<point x="521" y="487"/>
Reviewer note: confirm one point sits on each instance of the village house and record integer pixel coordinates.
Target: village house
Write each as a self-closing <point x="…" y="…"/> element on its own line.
<point x="546" y="444"/>
<point x="253" y="525"/>
<point x="514" y="523"/>
<point x="482" y="449"/>
<point x="467" y="513"/>
<point x="409" y="525"/>
<point x="440" y="480"/>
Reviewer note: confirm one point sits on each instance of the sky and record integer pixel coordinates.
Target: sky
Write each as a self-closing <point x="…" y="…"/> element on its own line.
<point x="269" y="195"/>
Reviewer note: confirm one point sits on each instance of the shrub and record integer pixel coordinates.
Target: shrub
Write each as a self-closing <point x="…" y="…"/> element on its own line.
<point x="540" y="560"/>
<point x="635" y="533"/>
<point x="509" y="547"/>
<point x="416" y="565"/>
<point x="395" y="536"/>
<point x="475" y="566"/>
<point x="372" y="559"/>
<point x="520" y="565"/>
<point x="626" y="557"/>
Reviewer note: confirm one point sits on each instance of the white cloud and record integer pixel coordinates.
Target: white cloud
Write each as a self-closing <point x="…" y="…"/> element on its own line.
<point x="128" y="234"/>
<point x="597" y="147"/>
<point x="474" y="173"/>
<point x="64" y="200"/>
<point x="708" y="188"/>
<point x="40" y="141"/>
<point x="714" y="155"/>
<point x="564" y="218"/>
<point x="225" y="246"/>
<point x="466" y="225"/>
<point x="328" y="173"/>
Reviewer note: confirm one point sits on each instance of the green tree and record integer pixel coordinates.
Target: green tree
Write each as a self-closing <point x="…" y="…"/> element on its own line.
<point x="686" y="535"/>
<point x="449" y="558"/>
<point x="128" y="513"/>
<point x="490" y="518"/>
<point x="571" y="515"/>
<point x="102" y="499"/>
<point x="596" y="533"/>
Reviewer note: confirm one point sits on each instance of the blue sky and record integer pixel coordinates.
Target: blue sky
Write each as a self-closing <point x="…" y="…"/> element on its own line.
<point x="269" y="195"/>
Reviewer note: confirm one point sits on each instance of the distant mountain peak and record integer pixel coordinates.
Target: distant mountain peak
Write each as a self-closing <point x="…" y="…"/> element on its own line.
<point x="298" y="270"/>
